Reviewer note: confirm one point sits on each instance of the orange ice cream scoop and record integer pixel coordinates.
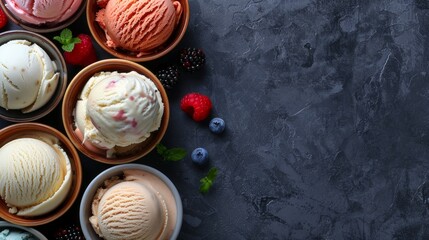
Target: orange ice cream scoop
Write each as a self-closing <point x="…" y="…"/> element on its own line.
<point x="139" y="26"/>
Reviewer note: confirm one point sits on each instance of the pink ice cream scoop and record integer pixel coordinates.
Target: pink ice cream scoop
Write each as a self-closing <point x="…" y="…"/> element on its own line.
<point x="138" y="26"/>
<point x="43" y="11"/>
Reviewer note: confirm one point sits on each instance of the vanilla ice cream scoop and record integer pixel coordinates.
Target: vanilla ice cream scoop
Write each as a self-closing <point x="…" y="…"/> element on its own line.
<point x="140" y="206"/>
<point x="28" y="76"/>
<point x="35" y="175"/>
<point x="118" y="109"/>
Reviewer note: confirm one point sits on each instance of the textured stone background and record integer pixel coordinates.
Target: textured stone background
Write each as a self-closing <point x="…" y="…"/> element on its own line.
<point x="327" y="120"/>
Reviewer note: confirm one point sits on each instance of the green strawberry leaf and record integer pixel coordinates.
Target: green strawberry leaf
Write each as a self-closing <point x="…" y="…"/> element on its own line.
<point x="66" y="34"/>
<point x="173" y="154"/>
<point x="68" y="47"/>
<point x="212" y="173"/>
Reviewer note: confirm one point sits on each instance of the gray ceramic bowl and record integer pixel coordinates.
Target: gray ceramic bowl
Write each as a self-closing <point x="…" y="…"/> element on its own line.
<point x="98" y="181"/>
<point x="37" y="234"/>
<point x="56" y="56"/>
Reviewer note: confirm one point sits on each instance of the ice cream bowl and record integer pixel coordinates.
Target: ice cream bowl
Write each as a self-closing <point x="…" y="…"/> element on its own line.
<point x="100" y="37"/>
<point x="61" y="68"/>
<point x="68" y="196"/>
<point x="16" y="228"/>
<point x="48" y="26"/>
<point x="72" y="95"/>
<point x="149" y="176"/>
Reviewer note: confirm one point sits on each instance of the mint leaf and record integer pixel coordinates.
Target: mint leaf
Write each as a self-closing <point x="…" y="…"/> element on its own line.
<point x="207" y="182"/>
<point x="173" y="154"/>
<point x="160" y="148"/>
<point x="212" y="173"/>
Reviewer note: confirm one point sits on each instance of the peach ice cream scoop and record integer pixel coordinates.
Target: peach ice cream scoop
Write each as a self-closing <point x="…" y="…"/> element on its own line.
<point x="138" y="26"/>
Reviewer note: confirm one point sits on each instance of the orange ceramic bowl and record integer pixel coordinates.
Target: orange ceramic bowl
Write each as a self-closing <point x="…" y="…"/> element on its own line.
<point x="22" y="130"/>
<point x="127" y="154"/>
<point x="100" y="36"/>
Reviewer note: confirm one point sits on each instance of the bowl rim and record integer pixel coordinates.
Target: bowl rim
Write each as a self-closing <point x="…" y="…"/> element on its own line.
<point x="55" y="55"/>
<point x="98" y="180"/>
<point x="47" y="29"/>
<point x="39" y="235"/>
<point x="68" y="121"/>
<point x="76" y="172"/>
<point x="93" y="26"/>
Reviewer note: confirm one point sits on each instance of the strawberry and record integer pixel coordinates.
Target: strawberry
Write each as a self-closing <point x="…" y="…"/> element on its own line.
<point x="78" y="50"/>
<point x="3" y="19"/>
<point x="197" y="105"/>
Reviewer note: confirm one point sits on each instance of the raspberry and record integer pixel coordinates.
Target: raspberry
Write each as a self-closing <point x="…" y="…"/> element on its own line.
<point x="3" y="19"/>
<point x="196" y="105"/>
<point x="168" y="76"/>
<point x="70" y="232"/>
<point x="192" y="59"/>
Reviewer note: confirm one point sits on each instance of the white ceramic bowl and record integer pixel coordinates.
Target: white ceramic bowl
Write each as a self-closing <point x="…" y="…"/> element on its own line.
<point x="98" y="181"/>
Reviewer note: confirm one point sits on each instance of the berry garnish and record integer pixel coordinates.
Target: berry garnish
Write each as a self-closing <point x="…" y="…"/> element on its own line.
<point x="69" y="232"/>
<point x="192" y="59"/>
<point x="3" y="19"/>
<point x="207" y="182"/>
<point x="78" y="50"/>
<point x="217" y="125"/>
<point x="197" y="105"/>
<point x="168" y="76"/>
<point x="200" y="156"/>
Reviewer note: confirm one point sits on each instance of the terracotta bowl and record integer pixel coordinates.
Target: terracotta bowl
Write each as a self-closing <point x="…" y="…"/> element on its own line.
<point x="13" y="227"/>
<point x="72" y="94"/>
<point x="88" y="196"/>
<point x="23" y="129"/>
<point x="43" y="28"/>
<point x="56" y="56"/>
<point x="100" y="36"/>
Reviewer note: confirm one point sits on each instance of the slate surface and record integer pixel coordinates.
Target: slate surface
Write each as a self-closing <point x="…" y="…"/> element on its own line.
<point x="327" y="120"/>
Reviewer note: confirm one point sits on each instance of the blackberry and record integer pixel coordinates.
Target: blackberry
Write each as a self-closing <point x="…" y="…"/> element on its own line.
<point x="168" y="76"/>
<point x="70" y="232"/>
<point x="192" y="59"/>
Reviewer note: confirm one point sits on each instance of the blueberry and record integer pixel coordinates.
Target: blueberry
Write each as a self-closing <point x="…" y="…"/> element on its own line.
<point x="217" y="125"/>
<point x="200" y="156"/>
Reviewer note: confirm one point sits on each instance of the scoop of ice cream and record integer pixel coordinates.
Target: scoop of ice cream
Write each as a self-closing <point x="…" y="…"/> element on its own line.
<point x="139" y="206"/>
<point x="35" y="176"/>
<point x="28" y="76"/>
<point x="139" y="26"/>
<point x="12" y="234"/>
<point x="42" y="11"/>
<point x="130" y="210"/>
<point x="118" y="109"/>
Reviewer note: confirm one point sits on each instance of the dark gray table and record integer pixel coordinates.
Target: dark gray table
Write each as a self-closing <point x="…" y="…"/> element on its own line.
<point x="327" y="112"/>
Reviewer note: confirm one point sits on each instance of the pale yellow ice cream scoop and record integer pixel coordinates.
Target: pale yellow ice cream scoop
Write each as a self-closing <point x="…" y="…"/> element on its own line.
<point x="35" y="175"/>
<point x="28" y="76"/>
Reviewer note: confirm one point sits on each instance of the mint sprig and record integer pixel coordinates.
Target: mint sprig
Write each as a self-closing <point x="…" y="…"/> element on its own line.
<point x="67" y="40"/>
<point x="172" y="154"/>
<point x="207" y="181"/>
